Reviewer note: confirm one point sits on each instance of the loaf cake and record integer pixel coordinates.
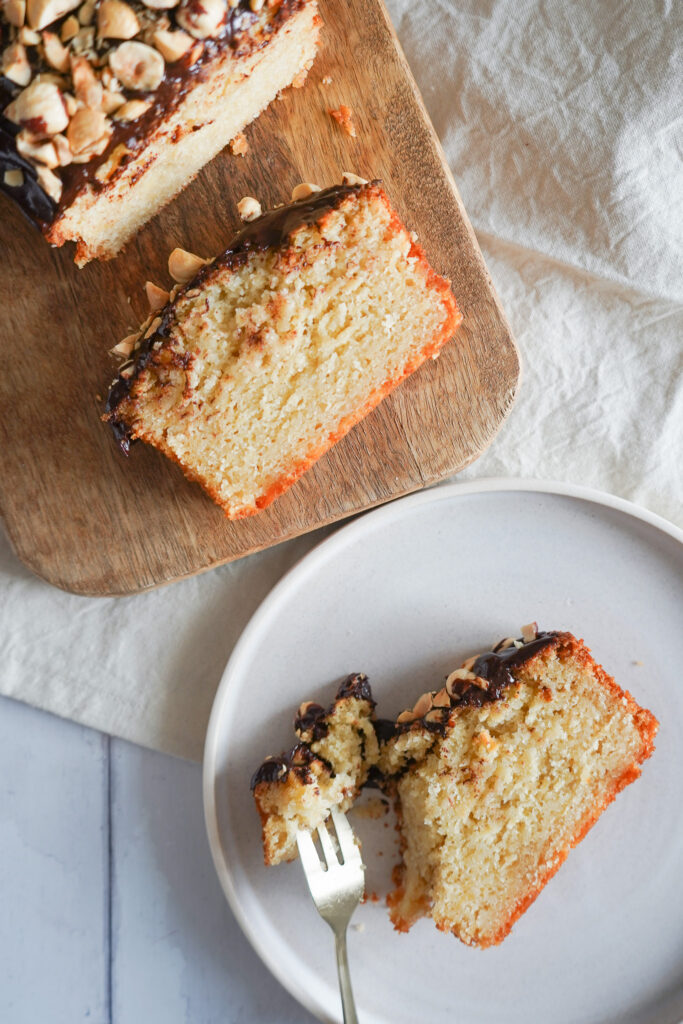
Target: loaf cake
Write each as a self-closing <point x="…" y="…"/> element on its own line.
<point x="108" y="108"/>
<point x="275" y="349"/>
<point x="496" y="776"/>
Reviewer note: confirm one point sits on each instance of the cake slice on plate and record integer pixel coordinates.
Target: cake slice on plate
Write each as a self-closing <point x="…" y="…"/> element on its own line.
<point x="273" y="351"/>
<point x="495" y="777"/>
<point x="108" y="108"/>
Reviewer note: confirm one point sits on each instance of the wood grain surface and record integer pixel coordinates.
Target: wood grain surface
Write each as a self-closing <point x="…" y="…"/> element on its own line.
<point x="88" y="520"/>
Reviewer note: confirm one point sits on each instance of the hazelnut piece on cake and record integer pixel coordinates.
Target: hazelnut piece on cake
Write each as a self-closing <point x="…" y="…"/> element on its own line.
<point x="272" y="352"/>
<point x="109" y="108"/>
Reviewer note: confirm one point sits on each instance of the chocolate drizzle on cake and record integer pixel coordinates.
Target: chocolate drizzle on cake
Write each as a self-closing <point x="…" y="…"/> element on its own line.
<point x="496" y="666"/>
<point x="494" y="671"/>
<point x="276" y="769"/>
<point x="311" y="725"/>
<point x="310" y="722"/>
<point x="269" y="231"/>
<point x="29" y="196"/>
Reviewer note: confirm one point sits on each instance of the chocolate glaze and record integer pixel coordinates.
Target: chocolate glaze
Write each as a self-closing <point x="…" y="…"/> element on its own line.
<point x="179" y="78"/>
<point x="276" y="769"/>
<point x="495" y="666"/>
<point x="356" y="685"/>
<point x="269" y="231"/>
<point x="311" y="724"/>
<point x="30" y="197"/>
<point x="311" y="727"/>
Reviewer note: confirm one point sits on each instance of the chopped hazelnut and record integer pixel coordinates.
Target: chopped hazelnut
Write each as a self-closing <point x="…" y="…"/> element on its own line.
<point x="405" y="717"/>
<point x="86" y="12"/>
<point x="15" y="12"/>
<point x="202" y="18"/>
<point x="15" y="65"/>
<point x="304" y="190"/>
<point x="88" y="132"/>
<point x="41" y="104"/>
<point x="172" y="45"/>
<point x="422" y="705"/>
<point x="49" y="182"/>
<point x="125" y="347"/>
<point x="87" y="88"/>
<point x="41" y="13"/>
<point x="112" y="101"/>
<point x="69" y="29"/>
<point x="249" y="208"/>
<point x="108" y="166"/>
<point x="156" y="296"/>
<point x="132" y="110"/>
<point x="63" y="150"/>
<point x="116" y="20"/>
<point x="40" y="152"/>
<point x="28" y="36"/>
<point x="137" y="66"/>
<point x="13" y="178"/>
<point x="56" y="54"/>
<point x="183" y="265"/>
<point x="348" y="178"/>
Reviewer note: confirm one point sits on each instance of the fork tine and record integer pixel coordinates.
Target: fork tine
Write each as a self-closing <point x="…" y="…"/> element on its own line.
<point x="328" y="847"/>
<point x="308" y="854"/>
<point x="347" y="840"/>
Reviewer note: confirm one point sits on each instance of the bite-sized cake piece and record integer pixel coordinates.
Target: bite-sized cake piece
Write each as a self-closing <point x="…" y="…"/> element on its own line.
<point x="500" y="774"/>
<point x="337" y="746"/>
<point x="108" y="108"/>
<point x="275" y="349"/>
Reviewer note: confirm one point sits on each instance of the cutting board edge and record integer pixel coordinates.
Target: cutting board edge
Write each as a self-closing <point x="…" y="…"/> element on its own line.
<point x="40" y="567"/>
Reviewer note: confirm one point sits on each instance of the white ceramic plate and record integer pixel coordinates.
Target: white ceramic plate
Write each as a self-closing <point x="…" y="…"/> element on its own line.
<point x="404" y="594"/>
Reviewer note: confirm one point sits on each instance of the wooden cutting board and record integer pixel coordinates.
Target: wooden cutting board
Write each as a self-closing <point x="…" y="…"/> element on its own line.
<point x="88" y="520"/>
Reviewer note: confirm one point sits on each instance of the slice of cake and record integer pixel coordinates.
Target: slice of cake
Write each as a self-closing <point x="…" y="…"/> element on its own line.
<point x="514" y="761"/>
<point x="495" y="777"/>
<point x="337" y="745"/>
<point x="274" y="350"/>
<point x="108" y="108"/>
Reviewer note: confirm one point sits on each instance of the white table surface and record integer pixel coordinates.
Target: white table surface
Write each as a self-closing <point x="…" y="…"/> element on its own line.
<point x="111" y="912"/>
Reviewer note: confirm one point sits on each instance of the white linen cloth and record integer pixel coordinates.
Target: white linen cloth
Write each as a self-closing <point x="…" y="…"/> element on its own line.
<point x="562" y="124"/>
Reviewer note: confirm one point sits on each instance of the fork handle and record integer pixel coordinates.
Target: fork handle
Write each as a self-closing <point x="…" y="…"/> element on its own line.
<point x="348" y="1003"/>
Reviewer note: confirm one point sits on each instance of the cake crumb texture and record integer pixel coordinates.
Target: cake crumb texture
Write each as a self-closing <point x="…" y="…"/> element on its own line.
<point x="492" y="810"/>
<point x="272" y="354"/>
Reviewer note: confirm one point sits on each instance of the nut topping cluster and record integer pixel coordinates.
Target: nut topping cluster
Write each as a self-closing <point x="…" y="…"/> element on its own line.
<point x="74" y="64"/>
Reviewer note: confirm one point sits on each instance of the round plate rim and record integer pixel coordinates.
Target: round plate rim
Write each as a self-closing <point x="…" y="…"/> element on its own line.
<point x="346" y="534"/>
